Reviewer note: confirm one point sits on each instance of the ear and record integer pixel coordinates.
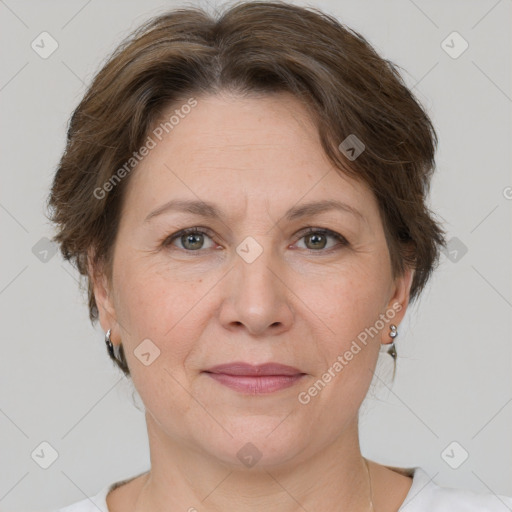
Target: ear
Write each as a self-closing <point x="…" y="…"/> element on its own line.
<point x="399" y="301"/>
<point x="103" y="296"/>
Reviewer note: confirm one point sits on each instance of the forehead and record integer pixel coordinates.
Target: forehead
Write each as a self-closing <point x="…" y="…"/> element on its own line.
<point x="228" y="147"/>
<point x="232" y="128"/>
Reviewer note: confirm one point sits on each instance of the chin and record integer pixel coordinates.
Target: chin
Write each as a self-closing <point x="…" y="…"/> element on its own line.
<point x="257" y="442"/>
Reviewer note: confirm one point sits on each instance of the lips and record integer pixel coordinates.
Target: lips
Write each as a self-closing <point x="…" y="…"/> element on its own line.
<point x="254" y="380"/>
<point x="245" y="369"/>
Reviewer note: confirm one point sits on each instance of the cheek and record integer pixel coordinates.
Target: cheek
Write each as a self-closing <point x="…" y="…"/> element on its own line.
<point x="349" y="307"/>
<point x="153" y="306"/>
<point x="348" y="301"/>
<point x="151" y="297"/>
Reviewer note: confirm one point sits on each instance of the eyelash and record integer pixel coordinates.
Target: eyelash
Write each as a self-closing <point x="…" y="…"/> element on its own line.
<point x="342" y="241"/>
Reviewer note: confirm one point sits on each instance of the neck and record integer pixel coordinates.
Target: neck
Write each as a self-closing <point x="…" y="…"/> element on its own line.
<point x="182" y="478"/>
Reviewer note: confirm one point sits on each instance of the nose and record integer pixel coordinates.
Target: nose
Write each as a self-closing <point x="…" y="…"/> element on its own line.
<point x="258" y="297"/>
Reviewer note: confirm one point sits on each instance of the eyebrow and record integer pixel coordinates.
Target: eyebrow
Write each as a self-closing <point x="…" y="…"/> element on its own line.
<point x="210" y="210"/>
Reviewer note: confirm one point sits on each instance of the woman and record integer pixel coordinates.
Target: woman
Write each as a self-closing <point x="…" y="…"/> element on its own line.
<point x="246" y="197"/>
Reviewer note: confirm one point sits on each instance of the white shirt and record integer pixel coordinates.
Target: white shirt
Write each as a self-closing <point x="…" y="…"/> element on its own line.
<point x="423" y="496"/>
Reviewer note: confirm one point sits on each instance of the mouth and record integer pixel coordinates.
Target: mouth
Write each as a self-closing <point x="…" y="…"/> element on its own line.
<point x="259" y="379"/>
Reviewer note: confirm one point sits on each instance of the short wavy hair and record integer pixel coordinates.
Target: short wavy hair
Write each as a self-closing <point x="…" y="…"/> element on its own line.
<point x="251" y="47"/>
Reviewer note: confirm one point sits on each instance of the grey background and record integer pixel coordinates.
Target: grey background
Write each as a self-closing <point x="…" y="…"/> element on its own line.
<point x="454" y="373"/>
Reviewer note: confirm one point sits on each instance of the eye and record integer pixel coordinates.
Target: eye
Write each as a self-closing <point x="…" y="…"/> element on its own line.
<point x="316" y="239"/>
<point x="191" y="239"/>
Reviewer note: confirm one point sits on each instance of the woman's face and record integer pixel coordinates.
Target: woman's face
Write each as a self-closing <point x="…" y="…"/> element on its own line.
<point x="253" y="287"/>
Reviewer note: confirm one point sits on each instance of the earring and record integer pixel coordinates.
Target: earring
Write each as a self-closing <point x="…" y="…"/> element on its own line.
<point x="393" y="334"/>
<point x="117" y="353"/>
<point x="113" y="351"/>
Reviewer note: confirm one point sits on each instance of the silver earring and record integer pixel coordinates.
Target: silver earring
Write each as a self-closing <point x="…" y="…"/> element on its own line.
<point x="393" y="334"/>
<point x="113" y="351"/>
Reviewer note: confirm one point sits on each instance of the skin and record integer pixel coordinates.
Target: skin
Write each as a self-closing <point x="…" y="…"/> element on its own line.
<point x="301" y="302"/>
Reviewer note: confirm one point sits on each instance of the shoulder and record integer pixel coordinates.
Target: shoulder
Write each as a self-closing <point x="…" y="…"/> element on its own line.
<point x="427" y="496"/>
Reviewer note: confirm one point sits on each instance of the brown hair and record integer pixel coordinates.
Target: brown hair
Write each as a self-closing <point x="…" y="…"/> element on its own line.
<point x="252" y="47"/>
